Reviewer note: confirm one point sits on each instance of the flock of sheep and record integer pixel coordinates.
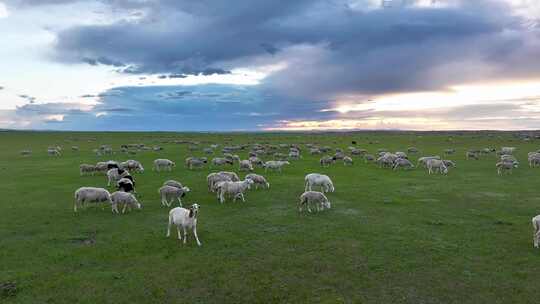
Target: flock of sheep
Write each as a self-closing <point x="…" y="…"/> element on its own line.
<point x="228" y="185"/>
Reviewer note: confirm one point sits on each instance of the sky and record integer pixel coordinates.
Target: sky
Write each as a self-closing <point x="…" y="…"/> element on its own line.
<point x="249" y="65"/>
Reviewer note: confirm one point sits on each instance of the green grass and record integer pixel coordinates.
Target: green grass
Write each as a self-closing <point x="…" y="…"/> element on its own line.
<point x="390" y="237"/>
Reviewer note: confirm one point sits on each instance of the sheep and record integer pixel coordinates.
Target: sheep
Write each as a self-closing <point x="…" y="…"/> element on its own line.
<point x="170" y="193"/>
<point x="449" y="163"/>
<point x="126" y="199"/>
<point x="386" y="161"/>
<point x="401" y="155"/>
<point x="326" y="161"/>
<point x="471" y="154"/>
<point x="173" y="183"/>
<point x="234" y="189"/>
<point x="26" y="152"/>
<point x="507" y="150"/>
<point x="294" y="154"/>
<point x="214" y="178"/>
<point x="185" y="219"/>
<point x="114" y="174"/>
<point x="275" y="165"/>
<point x="91" y="195"/>
<point x="313" y="197"/>
<point x="194" y="162"/>
<point x="75" y="149"/>
<point x="245" y="165"/>
<point x="164" y="164"/>
<point x="369" y="158"/>
<point x="218" y="161"/>
<point x="536" y="232"/>
<point x="403" y="163"/>
<point x="506" y="166"/>
<point x="256" y="161"/>
<point x="314" y="151"/>
<point x="53" y="152"/>
<point x="534" y="159"/>
<point x="133" y="165"/>
<point x="449" y="151"/>
<point x="423" y="160"/>
<point x="126" y="184"/>
<point x="316" y="179"/>
<point x="436" y="165"/>
<point x="412" y="150"/>
<point x="347" y="161"/>
<point x="86" y="168"/>
<point x="258" y="180"/>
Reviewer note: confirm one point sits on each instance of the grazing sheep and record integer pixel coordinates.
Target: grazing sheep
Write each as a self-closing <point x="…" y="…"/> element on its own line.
<point x="256" y="161"/>
<point x="369" y="158"/>
<point x="347" y="161"/>
<point x="401" y="155"/>
<point x="173" y="183"/>
<point x="536" y="232"/>
<point x="218" y="161"/>
<point x="26" y="152"/>
<point x="163" y="164"/>
<point x="115" y="174"/>
<point x="234" y="189"/>
<point x="326" y="161"/>
<point x="169" y="193"/>
<point x="194" y="162"/>
<point x="507" y="150"/>
<point x="275" y="165"/>
<point x="436" y="165"/>
<point x="245" y="165"/>
<point x="449" y="151"/>
<point x="412" y="150"/>
<point x="126" y="199"/>
<point x="294" y="154"/>
<point x="403" y="163"/>
<point x="91" y="195"/>
<point x="316" y="179"/>
<point x="471" y="154"/>
<point x="313" y="197"/>
<point x="87" y="169"/>
<point x="126" y="184"/>
<point x="505" y="166"/>
<point x="75" y="149"/>
<point x="184" y="219"/>
<point x="423" y="160"/>
<point x="258" y="180"/>
<point x="132" y="165"/>
<point x="53" y="152"/>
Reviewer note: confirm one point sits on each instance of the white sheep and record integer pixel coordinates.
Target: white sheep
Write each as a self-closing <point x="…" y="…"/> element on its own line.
<point x="169" y="193"/>
<point x="536" y="232"/>
<point x="234" y="189"/>
<point x="115" y="174"/>
<point x="423" y="160"/>
<point x="316" y="179"/>
<point x="347" y="161"/>
<point x="436" y="165"/>
<point x="91" y="195"/>
<point x="507" y="166"/>
<point x="184" y="219"/>
<point x="132" y="165"/>
<point x="245" y="165"/>
<point x="126" y="199"/>
<point x="87" y="169"/>
<point x="54" y="152"/>
<point x="258" y="180"/>
<point x="164" y="164"/>
<point x="275" y="165"/>
<point x="313" y="197"/>
<point x="403" y="163"/>
<point x="173" y="183"/>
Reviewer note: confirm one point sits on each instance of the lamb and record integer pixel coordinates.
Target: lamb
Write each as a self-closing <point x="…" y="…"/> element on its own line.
<point x="536" y="232"/>
<point x="506" y="166"/>
<point x="347" y="161"/>
<point x="163" y="164"/>
<point x="235" y="189"/>
<point x="91" y="195"/>
<point x="245" y="165"/>
<point x="128" y="200"/>
<point x="313" y="197"/>
<point x="316" y="179"/>
<point x="185" y="219"/>
<point x="275" y="165"/>
<point x="26" y="152"/>
<point x="87" y="169"/>
<point x="114" y="174"/>
<point x="403" y="163"/>
<point x="436" y="165"/>
<point x="170" y="193"/>
<point x="258" y="180"/>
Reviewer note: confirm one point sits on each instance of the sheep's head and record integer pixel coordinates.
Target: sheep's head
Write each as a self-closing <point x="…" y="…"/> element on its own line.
<point x="445" y="170"/>
<point x="327" y="205"/>
<point x="194" y="209"/>
<point x="186" y="189"/>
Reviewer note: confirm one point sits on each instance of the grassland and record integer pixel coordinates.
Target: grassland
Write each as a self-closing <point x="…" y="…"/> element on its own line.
<point x="391" y="237"/>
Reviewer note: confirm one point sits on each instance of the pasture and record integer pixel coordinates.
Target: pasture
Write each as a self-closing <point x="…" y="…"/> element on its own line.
<point x="390" y="236"/>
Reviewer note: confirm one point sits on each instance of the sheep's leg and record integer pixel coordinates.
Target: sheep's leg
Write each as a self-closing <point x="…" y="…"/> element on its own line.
<point x="124" y="209"/>
<point x="242" y="196"/>
<point x="536" y="239"/>
<point x="196" y="236"/>
<point x="75" y="206"/>
<point x="179" y="201"/>
<point x="179" y="232"/>
<point x="185" y="234"/>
